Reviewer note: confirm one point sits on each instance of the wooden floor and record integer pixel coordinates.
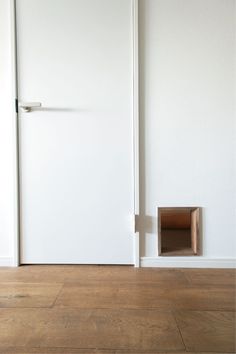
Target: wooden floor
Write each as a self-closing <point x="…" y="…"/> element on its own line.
<point x="112" y="309"/>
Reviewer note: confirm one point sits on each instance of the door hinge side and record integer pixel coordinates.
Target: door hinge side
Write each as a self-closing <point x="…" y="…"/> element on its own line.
<point x="16" y="105"/>
<point x="136" y="227"/>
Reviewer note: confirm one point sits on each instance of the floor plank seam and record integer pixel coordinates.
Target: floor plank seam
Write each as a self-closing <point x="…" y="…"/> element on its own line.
<point x="173" y="314"/>
<point x="116" y="351"/>
<point x="128" y="350"/>
<point x="157" y="309"/>
<point x="58" y="294"/>
<point x="163" y="310"/>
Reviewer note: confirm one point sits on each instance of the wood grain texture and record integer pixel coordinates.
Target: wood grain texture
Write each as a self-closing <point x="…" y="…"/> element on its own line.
<point x="116" y="310"/>
<point x="74" y="328"/>
<point x="145" y="295"/>
<point x="209" y="331"/>
<point x="76" y="274"/>
<point x="211" y="277"/>
<point x="27" y="350"/>
<point x="40" y="350"/>
<point x="28" y="294"/>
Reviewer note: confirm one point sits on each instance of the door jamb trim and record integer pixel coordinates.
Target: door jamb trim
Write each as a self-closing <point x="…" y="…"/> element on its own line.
<point x="16" y="167"/>
<point x="135" y="37"/>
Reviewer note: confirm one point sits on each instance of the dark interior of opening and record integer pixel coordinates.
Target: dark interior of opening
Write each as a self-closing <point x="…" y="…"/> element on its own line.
<point x="176" y="233"/>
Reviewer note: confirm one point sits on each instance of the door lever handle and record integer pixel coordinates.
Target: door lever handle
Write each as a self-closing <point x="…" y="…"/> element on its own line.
<point x="27" y="106"/>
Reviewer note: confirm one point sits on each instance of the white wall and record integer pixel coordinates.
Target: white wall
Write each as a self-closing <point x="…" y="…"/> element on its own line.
<point x="6" y="139"/>
<point x="187" y="117"/>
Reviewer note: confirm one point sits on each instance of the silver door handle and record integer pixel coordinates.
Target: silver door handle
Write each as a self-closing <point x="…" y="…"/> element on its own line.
<point x="27" y="106"/>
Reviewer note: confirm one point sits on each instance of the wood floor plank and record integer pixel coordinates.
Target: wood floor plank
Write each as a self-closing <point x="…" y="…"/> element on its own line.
<point x="134" y="316"/>
<point x="101" y="329"/>
<point x="20" y="350"/>
<point x="211" y="277"/>
<point x="207" y="331"/>
<point x="28" y="294"/>
<point x="145" y="295"/>
<point x="71" y="273"/>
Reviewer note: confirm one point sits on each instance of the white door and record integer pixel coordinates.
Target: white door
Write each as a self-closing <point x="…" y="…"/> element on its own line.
<point x="76" y="153"/>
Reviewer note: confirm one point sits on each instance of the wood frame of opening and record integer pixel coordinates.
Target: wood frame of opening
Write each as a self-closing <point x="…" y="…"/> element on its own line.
<point x="194" y="227"/>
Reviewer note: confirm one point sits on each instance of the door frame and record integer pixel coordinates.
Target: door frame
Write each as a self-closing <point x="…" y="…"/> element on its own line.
<point x="135" y="137"/>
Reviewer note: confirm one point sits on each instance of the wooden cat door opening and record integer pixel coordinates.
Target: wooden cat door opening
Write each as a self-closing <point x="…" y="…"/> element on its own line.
<point x="178" y="231"/>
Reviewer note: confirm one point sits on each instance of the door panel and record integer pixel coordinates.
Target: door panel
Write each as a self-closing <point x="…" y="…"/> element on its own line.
<point x="76" y="159"/>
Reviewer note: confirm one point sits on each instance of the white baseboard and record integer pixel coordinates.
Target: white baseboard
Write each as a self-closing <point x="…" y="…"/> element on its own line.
<point x="6" y="262"/>
<point x="188" y="262"/>
<point x="166" y="262"/>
